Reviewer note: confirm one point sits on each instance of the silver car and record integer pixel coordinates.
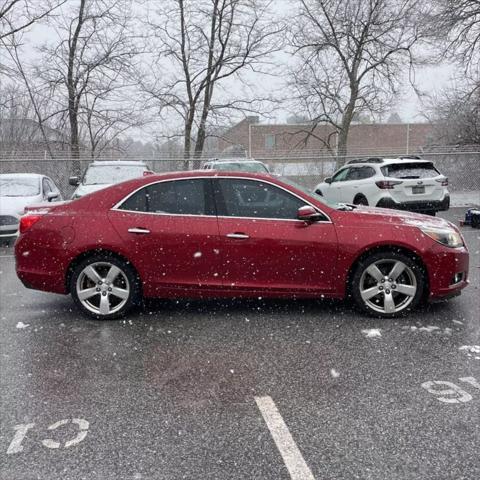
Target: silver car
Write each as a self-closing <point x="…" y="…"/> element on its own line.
<point x="19" y="190"/>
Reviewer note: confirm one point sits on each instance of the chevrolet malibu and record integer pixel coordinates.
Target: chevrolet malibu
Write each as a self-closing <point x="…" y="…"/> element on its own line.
<point x="214" y="234"/>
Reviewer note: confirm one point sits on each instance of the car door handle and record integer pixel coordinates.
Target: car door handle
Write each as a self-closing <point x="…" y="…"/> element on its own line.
<point x="143" y="231"/>
<point x="239" y="236"/>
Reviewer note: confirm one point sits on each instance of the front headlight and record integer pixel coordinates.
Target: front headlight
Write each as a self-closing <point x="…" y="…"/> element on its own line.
<point x="445" y="236"/>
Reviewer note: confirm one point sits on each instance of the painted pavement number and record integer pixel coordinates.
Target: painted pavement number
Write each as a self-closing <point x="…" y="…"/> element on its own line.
<point x="21" y="431"/>
<point x="448" y="392"/>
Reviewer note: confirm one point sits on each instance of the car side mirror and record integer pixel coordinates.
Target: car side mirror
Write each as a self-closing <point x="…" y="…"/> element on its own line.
<point x="328" y="180"/>
<point x="74" y="181"/>
<point x="52" y="196"/>
<point x="308" y="214"/>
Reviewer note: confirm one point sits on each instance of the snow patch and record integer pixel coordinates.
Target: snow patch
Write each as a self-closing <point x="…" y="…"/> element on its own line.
<point x="334" y="373"/>
<point x="22" y="325"/>
<point x="372" y="332"/>
<point x="429" y="329"/>
<point x="470" y="349"/>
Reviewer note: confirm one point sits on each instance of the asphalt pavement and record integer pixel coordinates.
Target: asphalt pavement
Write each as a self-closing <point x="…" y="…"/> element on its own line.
<point x="258" y="389"/>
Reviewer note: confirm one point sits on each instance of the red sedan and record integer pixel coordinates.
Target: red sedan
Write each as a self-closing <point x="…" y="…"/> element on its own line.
<point x="216" y="234"/>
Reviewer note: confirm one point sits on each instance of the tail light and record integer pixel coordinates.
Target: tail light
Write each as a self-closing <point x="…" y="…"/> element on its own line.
<point x="387" y="184"/>
<point x="443" y="181"/>
<point x="28" y="221"/>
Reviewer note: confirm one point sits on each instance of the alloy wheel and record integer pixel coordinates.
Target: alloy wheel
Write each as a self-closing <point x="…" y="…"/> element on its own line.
<point x="103" y="288"/>
<point x="388" y="286"/>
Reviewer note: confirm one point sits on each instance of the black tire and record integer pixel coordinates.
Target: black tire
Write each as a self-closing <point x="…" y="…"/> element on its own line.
<point x="475" y="221"/>
<point x="431" y="213"/>
<point x="360" y="200"/>
<point x="411" y="279"/>
<point x="126" y="283"/>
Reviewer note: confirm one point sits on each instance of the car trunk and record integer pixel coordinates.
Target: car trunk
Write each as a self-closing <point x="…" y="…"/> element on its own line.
<point x="421" y="181"/>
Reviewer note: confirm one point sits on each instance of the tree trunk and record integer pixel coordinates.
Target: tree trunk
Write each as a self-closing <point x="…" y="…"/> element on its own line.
<point x="74" y="139"/>
<point x="187" y="144"/>
<point x="342" y="145"/>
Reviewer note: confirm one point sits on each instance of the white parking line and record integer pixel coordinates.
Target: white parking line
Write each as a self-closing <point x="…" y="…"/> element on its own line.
<point x="7" y="256"/>
<point x="296" y="466"/>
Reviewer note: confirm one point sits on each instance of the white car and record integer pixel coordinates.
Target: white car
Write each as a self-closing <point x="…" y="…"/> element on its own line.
<point x="102" y="174"/>
<point x="404" y="183"/>
<point x="236" y="165"/>
<point x="18" y="191"/>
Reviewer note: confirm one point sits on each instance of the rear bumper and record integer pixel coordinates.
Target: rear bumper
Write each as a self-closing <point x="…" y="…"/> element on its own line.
<point x="40" y="267"/>
<point x="416" y="206"/>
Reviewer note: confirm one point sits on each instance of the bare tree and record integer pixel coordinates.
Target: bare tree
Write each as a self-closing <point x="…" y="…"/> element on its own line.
<point x="209" y="46"/>
<point x="18" y="15"/>
<point x="351" y="54"/>
<point x="455" y="25"/>
<point x="90" y="59"/>
<point x="455" y="115"/>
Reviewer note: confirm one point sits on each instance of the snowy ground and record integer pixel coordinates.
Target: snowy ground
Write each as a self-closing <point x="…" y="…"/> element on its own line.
<point x="465" y="199"/>
<point x="270" y="390"/>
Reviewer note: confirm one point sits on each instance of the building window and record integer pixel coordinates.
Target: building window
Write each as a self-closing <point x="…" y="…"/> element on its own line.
<point x="269" y="141"/>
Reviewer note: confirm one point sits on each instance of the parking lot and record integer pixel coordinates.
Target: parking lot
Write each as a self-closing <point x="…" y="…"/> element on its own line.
<point x="239" y="389"/>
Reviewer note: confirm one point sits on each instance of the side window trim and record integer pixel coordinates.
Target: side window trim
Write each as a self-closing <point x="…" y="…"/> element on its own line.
<point x="214" y="202"/>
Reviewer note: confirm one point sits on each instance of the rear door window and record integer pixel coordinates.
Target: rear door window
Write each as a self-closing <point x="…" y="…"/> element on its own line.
<point x="410" y="170"/>
<point x="181" y="197"/>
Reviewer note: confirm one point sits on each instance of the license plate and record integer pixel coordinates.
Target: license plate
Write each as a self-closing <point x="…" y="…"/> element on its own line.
<point x="418" y="189"/>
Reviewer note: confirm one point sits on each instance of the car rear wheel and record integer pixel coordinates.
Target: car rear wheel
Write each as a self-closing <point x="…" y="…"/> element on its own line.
<point x="388" y="284"/>
<point x="104" y="287"/>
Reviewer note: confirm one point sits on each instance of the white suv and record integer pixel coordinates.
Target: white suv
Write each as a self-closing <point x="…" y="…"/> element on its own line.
<point x="405" y="183"/>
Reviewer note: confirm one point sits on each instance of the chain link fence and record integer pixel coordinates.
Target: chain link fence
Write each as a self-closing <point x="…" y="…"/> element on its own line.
<point x="307" y="168"/>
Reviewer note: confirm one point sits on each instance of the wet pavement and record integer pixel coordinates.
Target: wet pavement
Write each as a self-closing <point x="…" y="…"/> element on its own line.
<point x="239" y="389"/>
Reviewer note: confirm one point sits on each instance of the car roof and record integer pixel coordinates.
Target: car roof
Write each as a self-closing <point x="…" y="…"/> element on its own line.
<point x="387" y="160"/>
<point x="118" y="163"/>
<point x="21" y="175"/>
<point x="203" y="173"/>
<point x="234" y="160"/>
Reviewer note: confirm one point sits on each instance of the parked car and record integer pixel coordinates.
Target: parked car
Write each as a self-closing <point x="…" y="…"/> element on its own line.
<point x="472" y="217"/>
<point x="405" y="183"/>
<point x="102" y="174"/>
<point x="17" y="191"/>
<point x="236" y="165"/>
<point x="205" y="234"/>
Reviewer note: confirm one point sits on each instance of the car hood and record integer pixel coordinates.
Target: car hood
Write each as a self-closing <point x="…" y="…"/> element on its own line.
<point x="15" y="206"/>
<point x="372" y="215"/>
<point x="85" y="189"/>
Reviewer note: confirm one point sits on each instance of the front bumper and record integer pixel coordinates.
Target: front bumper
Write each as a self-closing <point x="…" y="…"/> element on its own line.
<point x="447" y="271"/>
<point x="416" y="206"/>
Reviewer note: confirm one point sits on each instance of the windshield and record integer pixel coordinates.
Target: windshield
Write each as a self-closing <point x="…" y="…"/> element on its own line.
<point x="241" y="167"/>
<point x="110" y="174"/>
<point x="19" y="187"/>
<point x="410" y="170"/>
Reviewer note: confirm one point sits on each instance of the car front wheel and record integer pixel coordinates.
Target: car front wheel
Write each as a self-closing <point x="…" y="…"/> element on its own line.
<point x="104" y="287"/>
<point x="388" y="284"/>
